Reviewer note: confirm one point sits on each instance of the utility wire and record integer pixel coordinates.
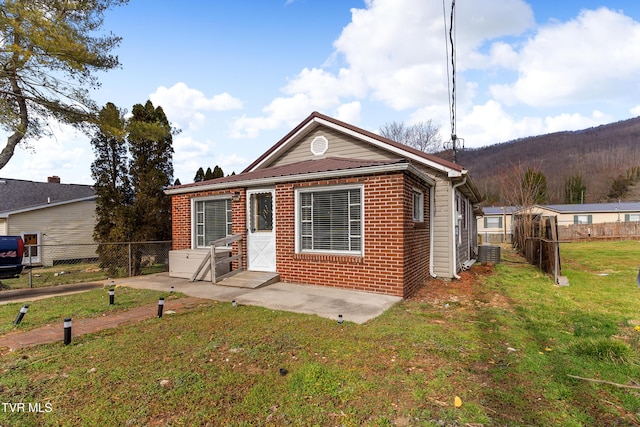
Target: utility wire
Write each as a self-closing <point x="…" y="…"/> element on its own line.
<point x="450" y="38"/>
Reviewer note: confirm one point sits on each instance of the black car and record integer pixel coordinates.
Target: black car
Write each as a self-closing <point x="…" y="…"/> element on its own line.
<point x="11" y="252"/>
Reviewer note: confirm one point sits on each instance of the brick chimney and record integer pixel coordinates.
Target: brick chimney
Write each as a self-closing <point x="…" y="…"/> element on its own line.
<point x="53" y="180"/>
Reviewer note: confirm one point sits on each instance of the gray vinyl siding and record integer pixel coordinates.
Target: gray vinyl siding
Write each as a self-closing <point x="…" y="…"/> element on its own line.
<point x="59" y="225"/>
<point x="340" y="145"/>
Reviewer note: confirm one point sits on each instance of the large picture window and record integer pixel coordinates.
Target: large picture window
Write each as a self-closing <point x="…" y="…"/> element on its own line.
<point x="330" y="220"/>
<point x="212" y="221"/>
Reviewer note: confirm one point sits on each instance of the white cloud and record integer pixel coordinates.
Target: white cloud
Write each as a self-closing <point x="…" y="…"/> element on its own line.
<point x="350" y="112"/>
<point x="186" y="148"/>
<point x="491" y="124"/>
<point x="184" y="106"/>
<point x="394" y="52"/>
<point x="635" y="110"/>
<point x="584" y="59"/>
<point x="66" y="153"/>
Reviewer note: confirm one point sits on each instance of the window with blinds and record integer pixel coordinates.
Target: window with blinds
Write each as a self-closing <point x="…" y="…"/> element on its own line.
<point x="331" y="220"/>
<point x="212" y="221"/>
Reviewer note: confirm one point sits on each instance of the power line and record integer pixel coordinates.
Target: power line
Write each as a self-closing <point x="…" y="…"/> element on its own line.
<point x="451" y="78"/>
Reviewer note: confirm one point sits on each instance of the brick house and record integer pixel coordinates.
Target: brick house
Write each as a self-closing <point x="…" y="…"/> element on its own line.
<point x="334" y="205"/>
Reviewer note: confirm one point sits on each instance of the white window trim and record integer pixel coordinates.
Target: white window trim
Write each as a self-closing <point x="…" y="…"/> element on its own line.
<point x="194" y="229"/>
<point x="297" y="226"/>
<point x="420" y="217"/>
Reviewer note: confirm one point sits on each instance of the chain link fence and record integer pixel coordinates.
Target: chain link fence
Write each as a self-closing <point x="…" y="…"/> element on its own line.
<point x="48" y="265"/>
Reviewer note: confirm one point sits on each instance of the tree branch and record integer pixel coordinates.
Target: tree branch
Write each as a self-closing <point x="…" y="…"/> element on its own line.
<point x="593" y="380"/>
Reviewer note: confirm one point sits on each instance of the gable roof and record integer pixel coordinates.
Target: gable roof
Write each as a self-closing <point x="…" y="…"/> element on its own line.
<point x="316" y="119"/>
<point x="328" y="167"/>
<point x="20" y="196"/>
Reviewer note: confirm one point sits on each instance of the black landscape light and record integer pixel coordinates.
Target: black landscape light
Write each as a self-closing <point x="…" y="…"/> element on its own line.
<point x="160" y="306"/>
<point x="21" y="314"/>
<point x="67" y="331"/>
<point x="112" y="293"/>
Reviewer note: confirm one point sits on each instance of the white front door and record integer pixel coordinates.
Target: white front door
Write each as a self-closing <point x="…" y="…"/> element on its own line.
<point x="261" y="233"/>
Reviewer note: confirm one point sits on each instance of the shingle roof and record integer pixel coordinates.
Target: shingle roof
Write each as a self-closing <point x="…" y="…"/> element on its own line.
<point x="327" y="164"/>
<point x="16" y="194"/>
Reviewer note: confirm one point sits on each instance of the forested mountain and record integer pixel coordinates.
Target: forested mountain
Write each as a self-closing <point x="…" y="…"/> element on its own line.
<point x="601" y="155"/>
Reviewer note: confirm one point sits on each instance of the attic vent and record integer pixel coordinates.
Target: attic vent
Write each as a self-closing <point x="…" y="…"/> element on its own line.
<point x="319" y="145"/>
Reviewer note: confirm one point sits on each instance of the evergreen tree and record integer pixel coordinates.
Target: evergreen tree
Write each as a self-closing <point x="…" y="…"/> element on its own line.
<point x="208" y="174"/>
<point x="113" y="189"/>
<point x="217" y="172"/>
<point x="151" y="148"/>
<point x="109" y="171"/>
<point x="177" y="182"/>
<point x="199" y="175"/>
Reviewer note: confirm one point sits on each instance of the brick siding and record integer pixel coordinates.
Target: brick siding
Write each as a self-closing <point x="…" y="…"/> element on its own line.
<point x="396" y="249"/>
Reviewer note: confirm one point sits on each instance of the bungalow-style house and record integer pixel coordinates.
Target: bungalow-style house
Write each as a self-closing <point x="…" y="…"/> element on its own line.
<point x="496" y="221"/>
<point x="592" y="213"/>
<point x="335" y="205"/>
<point x="46" y="214"/>
<point x="494" y="225"/>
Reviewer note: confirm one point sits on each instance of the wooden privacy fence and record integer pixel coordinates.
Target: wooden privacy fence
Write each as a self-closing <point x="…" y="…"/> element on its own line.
<point x="603" y="231"/>
<point x="536" y="237"/>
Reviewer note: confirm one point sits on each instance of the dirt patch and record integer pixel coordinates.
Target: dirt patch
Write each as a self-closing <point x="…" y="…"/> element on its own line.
<point x="468" y="290"/>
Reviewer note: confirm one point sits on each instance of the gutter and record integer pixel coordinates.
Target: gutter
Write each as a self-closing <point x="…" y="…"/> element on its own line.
<point x="453" y="215"/>
<point x="432" y="216"/>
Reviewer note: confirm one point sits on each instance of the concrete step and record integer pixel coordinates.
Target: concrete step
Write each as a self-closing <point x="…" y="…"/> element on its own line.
<point x="250" y="279"/>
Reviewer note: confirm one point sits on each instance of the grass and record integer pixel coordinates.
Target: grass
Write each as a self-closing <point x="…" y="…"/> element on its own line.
<point x="64" y="274"/>
<point x="504" y="346"/>
<point x="87" y="304"/>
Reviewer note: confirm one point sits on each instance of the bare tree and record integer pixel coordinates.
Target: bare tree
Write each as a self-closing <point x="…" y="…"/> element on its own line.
<point x="523" y="187"/>
<point x="423" y="136"/>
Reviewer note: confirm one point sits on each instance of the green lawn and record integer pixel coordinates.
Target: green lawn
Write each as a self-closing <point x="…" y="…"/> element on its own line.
<point x="64" y="274"/>
<point x="505" y="346"/>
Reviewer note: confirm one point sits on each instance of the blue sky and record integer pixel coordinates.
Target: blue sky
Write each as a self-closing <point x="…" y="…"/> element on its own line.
<point x="237" y="75"/>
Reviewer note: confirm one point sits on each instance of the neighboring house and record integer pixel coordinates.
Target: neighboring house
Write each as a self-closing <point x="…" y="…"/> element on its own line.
<point x="494" y="225"/>
<point x="496" y="221"/>
<point x="46" y="214"/>
<point x="593" y="213"/>
<point x="332" y="204"/>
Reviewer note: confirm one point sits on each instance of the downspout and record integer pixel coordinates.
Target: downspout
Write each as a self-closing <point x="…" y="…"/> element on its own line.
<point x="432" y="215"/>
<point x="453" y="215"/>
